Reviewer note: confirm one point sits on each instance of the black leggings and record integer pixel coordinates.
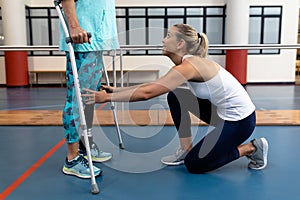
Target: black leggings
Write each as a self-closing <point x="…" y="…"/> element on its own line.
<point x="219" y="146"/>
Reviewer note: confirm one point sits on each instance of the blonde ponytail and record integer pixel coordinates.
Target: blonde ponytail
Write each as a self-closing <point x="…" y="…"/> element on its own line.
<point x="203" y="50"/>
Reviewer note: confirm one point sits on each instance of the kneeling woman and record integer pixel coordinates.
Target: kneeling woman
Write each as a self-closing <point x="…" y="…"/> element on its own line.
<point x="213" y="95"/>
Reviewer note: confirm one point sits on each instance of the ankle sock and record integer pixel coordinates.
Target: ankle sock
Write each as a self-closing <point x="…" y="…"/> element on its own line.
<point x="73" y="159"/>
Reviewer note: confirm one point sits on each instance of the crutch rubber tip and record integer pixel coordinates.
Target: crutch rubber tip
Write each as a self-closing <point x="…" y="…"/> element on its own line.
<point x="95" y="189"/>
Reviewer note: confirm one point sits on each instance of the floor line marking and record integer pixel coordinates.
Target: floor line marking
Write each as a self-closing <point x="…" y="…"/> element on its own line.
<point x="32" y="107"/>
<point x="33" y="168"/>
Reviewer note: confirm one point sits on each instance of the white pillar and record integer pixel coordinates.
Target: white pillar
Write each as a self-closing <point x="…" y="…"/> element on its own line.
<point x="237" y="22"/>
<point x="14" y="31"/>
<point x="14" y="22"/>
<point x="237" y="32"/>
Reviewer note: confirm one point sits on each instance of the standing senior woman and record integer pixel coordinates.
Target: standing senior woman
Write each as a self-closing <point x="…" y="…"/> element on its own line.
<point x="97" y="17"/>
<point x="213" y="95"/>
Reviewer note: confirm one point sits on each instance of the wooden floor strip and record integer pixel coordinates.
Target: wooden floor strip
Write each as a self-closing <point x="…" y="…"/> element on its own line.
<point x="134" y="117"/>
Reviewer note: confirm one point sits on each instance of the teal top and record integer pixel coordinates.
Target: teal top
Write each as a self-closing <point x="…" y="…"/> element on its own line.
<point x="99" y="18"/>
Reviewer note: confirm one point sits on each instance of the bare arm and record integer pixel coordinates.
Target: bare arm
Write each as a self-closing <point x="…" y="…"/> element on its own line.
<point x="111" y="89"/>
<point x="174" y="78"/>
<point x="77" y="34"/>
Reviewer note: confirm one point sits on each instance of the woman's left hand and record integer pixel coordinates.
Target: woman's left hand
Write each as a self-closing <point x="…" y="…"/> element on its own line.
<point x="91" y="96"/>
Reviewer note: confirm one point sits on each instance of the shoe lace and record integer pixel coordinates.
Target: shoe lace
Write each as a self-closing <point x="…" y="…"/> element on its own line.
<point x="179" y="152"/>
<point x="84" y="162"/>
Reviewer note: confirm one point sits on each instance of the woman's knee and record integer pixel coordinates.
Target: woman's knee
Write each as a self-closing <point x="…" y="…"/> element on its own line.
<point x="171" y="96"/>
<point x="195" y="165"/>
<point x="194" y="170"/>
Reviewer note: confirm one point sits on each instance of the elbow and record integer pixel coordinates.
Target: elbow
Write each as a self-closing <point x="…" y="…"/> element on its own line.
<point x="146" y="95"/>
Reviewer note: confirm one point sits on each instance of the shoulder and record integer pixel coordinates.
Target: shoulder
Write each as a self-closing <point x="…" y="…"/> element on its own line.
<point x="186" y="69"/>
<point x="200" y="69"/>
<point x="192" y="63"/>
<point x="185" y="65"/>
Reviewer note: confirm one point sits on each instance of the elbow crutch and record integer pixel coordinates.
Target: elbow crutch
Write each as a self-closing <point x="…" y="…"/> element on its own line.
<point x="94" y="186"/>
<point x="112" y="107"/>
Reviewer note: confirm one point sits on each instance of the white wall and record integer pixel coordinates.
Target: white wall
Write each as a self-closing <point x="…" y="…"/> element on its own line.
<point x="140" y="3"/>
<point x="277" y="68"/>
<point x="261" y="68"/>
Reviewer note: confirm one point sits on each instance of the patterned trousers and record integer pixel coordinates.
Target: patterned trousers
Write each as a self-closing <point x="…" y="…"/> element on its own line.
<point x="89" y="67"/>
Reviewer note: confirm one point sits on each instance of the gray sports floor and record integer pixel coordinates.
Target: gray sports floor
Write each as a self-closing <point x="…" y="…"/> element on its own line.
<point x="32" y="156"/>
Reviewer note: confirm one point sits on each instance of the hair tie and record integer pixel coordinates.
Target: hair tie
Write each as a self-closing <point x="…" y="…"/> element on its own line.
<point x="199" y="37"/>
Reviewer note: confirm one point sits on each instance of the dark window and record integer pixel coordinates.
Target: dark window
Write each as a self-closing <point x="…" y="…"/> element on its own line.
<point x="136" y="25"/>
<point x="42" y="28"/>
<point x="265" y="27"/>
<point x="148" y="26"/>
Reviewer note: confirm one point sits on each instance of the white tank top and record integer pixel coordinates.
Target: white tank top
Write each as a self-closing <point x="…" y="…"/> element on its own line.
<point x="226" y="93"/>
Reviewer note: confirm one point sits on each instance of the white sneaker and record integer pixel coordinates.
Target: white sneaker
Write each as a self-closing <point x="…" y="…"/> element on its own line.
<point x="176" y="159"/>
<point x="259" y="159"/>
<point x="80" y="167"/>
<point x="97" y="154"/>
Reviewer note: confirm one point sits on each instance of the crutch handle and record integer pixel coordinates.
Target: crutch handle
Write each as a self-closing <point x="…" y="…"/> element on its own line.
<point x="57" y="2"/>
<point x="69" y="39"/>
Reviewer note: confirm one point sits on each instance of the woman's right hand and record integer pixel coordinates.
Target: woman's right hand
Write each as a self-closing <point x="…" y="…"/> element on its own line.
<point x="79" y="36"/>
<point x="107" y="88"/>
